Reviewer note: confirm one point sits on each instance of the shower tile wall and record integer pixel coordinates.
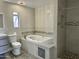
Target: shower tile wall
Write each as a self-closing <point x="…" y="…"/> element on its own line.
<point x="61" y="27"/>
<point x="72" y="26"/>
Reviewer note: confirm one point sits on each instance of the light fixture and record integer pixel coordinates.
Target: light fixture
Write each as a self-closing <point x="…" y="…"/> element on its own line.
<point x="15" y="13"/>
<point x="21" y="2"/>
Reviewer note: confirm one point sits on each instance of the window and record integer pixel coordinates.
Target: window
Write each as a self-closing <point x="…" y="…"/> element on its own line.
<point x="15" y="20"/>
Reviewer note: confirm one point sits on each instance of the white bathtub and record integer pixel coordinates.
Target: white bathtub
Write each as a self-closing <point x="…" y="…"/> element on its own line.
<point x="37" y="38"/>
<point x="32" y="42"/>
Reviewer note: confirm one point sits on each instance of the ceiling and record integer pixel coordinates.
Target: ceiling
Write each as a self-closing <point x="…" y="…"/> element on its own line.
<point x="30" y="3"/>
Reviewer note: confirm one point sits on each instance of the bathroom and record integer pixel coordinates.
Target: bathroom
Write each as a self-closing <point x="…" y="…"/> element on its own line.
<point x="43" y="29"/>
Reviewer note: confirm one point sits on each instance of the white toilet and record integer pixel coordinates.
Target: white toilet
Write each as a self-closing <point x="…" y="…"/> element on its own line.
<point x="16" y="45"/>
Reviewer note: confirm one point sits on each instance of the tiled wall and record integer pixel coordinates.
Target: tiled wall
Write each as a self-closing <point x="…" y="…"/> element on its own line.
<point x="44" y="18"/>
<point x="72" y="26"/>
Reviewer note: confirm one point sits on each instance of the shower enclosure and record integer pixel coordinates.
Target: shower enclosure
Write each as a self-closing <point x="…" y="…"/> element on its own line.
<point x="68" y="28"/>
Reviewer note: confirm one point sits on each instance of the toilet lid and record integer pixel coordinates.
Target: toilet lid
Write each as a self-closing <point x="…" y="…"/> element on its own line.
<point x="16" y="44"/>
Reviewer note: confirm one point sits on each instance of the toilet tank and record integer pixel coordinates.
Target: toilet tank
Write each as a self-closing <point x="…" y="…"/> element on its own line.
<point x="12" y="37"/>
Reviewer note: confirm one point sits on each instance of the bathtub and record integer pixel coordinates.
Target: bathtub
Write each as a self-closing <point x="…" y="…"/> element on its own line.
<point x="32" y="42"/>
<point x="37" y="38"/>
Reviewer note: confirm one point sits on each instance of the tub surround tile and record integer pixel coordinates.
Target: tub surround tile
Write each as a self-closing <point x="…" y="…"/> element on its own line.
<point x="32" y="32"/>
<point x="43" y="32"/>
<point x="24" y="34"/>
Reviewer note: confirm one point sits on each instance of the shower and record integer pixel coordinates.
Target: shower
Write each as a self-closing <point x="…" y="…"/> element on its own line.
<point x="68" y="28"/>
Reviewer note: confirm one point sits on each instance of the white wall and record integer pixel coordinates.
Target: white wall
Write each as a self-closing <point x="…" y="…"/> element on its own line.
<point x="44" y="18"/>
<point x="26" y="15"/>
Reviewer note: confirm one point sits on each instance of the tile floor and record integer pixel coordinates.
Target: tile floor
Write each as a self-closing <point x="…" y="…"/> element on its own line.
<point x="25" y="55"/>
<point x="22" y="56"/>
<point x="69" y="55"/>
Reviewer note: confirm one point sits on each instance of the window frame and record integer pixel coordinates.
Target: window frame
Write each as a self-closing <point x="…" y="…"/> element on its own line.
<point x="3" y="20"/>
<point x="18" y="20"/>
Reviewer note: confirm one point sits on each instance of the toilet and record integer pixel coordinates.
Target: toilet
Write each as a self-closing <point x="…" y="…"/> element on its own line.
<point x="15" y="45"/>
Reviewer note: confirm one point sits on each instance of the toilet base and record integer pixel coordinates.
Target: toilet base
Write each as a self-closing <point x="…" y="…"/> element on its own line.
<point x="16" y="52"/>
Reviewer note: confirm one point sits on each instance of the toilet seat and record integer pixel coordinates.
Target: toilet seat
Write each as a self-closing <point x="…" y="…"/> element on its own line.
<point x="16" y="44"/>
